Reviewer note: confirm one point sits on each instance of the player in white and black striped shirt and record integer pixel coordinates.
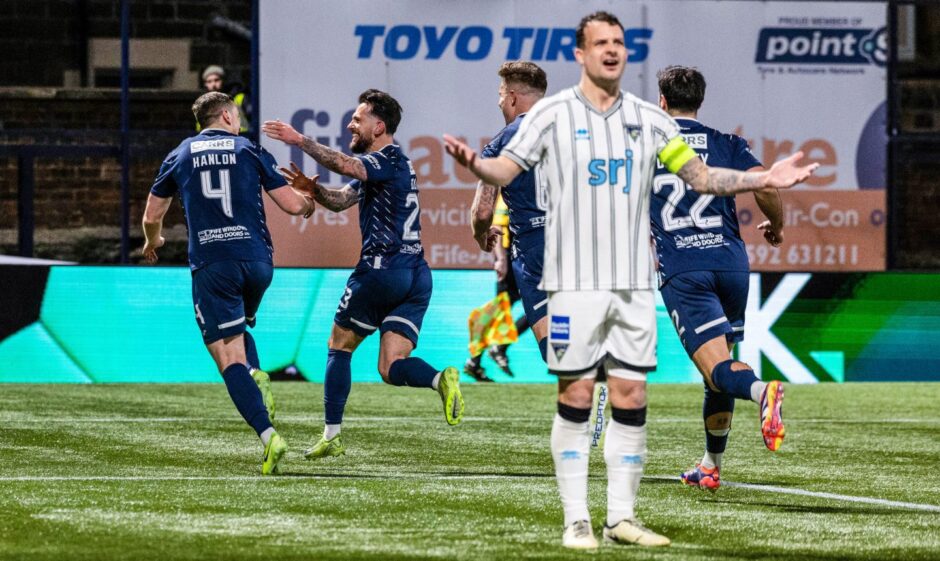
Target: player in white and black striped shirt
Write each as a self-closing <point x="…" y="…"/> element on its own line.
<point x="598" y="147"/>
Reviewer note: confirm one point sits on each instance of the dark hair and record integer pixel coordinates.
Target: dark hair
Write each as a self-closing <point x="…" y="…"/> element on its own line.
<point x="603" y="16"/>
<point x="525" y="73"/>
<point x="682" y="86"/>
<point x="209" y="106"/>
<point x="384" y="106"/>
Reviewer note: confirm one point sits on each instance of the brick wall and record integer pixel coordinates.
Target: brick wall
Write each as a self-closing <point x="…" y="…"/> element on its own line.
<point x="53" y="31"/>
<point x="77" y="200"/>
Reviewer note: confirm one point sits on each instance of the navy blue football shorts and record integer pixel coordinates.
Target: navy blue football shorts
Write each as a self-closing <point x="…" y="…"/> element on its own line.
<point x="527" y="270"/>
<point x="226" y="296"/>
<point x="707" y="304"/>
<point x="385" y="300"/>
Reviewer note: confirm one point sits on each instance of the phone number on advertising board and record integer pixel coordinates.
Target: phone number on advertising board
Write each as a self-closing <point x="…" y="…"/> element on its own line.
<point x="803" y="254"/>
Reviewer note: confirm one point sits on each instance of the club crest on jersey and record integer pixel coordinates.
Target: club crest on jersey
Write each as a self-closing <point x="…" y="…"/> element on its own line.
<point x="633" y="130"/>
<point x="582" y="134"/>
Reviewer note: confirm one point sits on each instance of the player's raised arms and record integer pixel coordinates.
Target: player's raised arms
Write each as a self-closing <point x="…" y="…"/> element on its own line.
<point x="333" y="160"/>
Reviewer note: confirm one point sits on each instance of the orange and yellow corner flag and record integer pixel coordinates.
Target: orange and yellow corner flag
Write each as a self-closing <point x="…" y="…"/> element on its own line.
<point x="492" y="324"/>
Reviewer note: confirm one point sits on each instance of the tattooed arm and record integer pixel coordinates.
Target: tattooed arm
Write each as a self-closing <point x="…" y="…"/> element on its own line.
<point x="332" y="160"/>
<point x="724" y="182"/>
<point x="481" y="216"/>
<point x="336" y="200"/>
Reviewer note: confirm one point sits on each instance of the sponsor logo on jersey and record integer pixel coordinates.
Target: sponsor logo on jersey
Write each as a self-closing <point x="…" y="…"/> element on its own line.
<point x="698" y="140"/>
<point x="789" y="45"/>
<point x="582" y="134"/>
<point x="702" y="240"/>
<point x="215" y="144"/>
<point x="413" y="249"/>
<point x="372" y="160"/>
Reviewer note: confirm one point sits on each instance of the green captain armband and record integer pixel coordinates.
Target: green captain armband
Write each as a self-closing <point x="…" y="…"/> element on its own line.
<point x="676" y="154"/>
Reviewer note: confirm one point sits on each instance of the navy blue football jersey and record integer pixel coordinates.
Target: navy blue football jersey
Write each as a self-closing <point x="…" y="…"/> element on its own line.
<point x="699" y="232"/>
<point x="526" y="197"/>
<point x="219" y="177"/>
<point x="389" y="211"/>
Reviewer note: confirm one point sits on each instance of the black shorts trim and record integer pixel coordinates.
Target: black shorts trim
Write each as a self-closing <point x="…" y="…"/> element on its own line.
<point x="601" y="371"/>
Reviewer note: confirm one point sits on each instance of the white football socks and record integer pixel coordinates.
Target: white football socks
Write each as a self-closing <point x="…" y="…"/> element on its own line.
<point x="757" y="388"/>
<point x="711" y="460"/>
<point x="571" y="445"/>
<point x="266" y="435"/>
<point x="330" y="431"/>
<point x="625" y="454"/>
<point x="436" y="381"/>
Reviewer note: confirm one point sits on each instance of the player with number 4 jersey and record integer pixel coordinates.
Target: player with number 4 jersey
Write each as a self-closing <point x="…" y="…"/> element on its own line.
<point x="390" y="289"/>
<point x="219" y="177"/>
<point x="704" y="273"/>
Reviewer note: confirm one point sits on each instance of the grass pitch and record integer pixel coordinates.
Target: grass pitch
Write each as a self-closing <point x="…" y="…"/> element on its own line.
<point x="171" y="472"/>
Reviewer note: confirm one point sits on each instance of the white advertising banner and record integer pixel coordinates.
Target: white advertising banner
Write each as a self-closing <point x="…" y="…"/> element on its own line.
<point x="785" y="75"/>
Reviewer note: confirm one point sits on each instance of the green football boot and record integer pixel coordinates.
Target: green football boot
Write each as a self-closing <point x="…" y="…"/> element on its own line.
<point x="273" y="453"/>
<point x="449" y="388"/>
<point x="325" y="448"/>
<point x="264" y="384"/>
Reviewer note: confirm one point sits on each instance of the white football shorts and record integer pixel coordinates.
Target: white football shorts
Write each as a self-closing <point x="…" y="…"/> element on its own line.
<point x="614" y="328"/>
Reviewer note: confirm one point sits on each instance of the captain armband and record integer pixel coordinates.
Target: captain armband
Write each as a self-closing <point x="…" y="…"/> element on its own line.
<point x="676" y="154"/>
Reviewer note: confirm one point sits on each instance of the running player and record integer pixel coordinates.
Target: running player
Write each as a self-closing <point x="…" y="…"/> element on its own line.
<point x="505" y="282"/>
<point x="598" y="146"/>
<point x="390" y="289"/>
<point x="703" y="273"/>
<point x="522" y="84"/>
<point x="219" y="176"/>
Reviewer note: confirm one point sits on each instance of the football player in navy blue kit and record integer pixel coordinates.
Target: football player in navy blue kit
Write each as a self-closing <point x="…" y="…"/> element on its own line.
<point x="219" y="177"/>
<point x="522" y="84"/>
<point x="704" y="271"/>
<point x="390" y="288"/>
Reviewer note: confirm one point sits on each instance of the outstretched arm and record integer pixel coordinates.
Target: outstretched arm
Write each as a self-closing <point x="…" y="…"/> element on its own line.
<point x="332" y="160"/>
<point x="495" y="171"/>
<point x="156" y="209"/>
<point x="722" y="181"/>
<point x="481" y="217"/>
<point x="336" y="200"/>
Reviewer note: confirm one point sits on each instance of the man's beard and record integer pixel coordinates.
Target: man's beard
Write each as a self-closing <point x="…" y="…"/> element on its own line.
<point x="361" y="146"/>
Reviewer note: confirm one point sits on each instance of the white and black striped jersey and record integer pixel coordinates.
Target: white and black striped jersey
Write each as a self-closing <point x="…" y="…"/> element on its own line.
<point x="599" y="168"/>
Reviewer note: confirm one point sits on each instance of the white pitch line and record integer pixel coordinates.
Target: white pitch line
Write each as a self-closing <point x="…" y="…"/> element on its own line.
<point x="816" y="494"/>
<point x="376" y="419"/>
<point x="750" y="486"/>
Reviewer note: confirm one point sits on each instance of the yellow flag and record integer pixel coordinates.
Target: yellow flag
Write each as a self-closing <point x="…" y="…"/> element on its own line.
<point x="492" y="324"/>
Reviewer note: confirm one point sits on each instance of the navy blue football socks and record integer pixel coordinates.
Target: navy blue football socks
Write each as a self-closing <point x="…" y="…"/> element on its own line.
<point x="736" y="383"/>
<point x="411" y="371"/>
<point x="251" y="352"/>
<point x="714" y="404"/>
<point x="336" y="385"/>
<point x="543" y="348"/>
<point x="247" y="397"/>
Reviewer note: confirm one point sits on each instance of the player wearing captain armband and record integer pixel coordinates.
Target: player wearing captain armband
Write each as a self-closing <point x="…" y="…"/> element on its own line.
<point x="598" y="147"/>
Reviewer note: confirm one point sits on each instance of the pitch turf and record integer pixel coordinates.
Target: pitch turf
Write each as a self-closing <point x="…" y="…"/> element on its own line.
<point x="171" y="472"/>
